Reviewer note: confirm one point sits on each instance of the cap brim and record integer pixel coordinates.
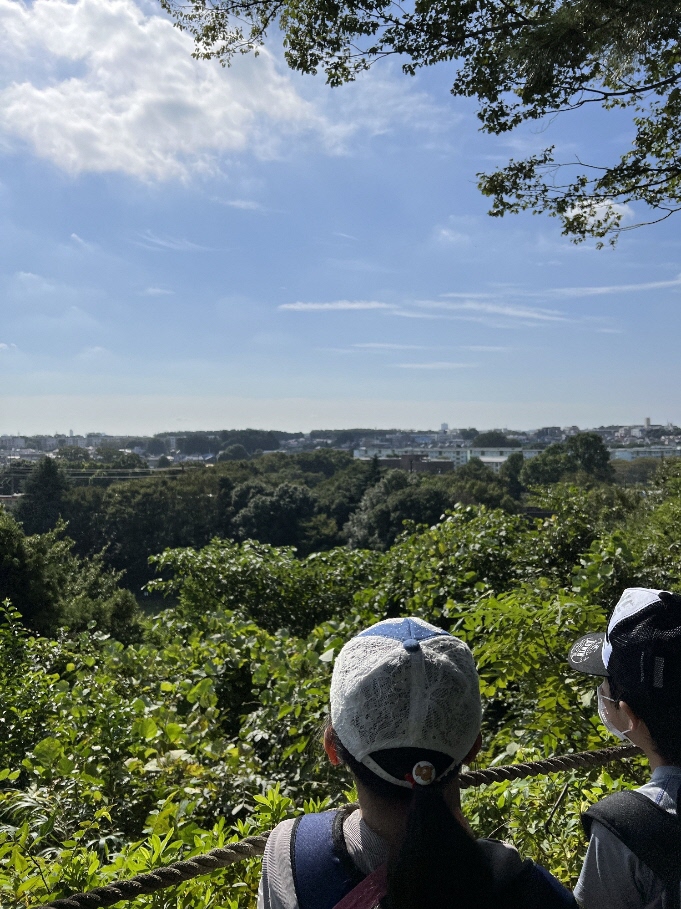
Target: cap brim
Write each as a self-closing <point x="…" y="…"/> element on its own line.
<point x="586" y="654"/>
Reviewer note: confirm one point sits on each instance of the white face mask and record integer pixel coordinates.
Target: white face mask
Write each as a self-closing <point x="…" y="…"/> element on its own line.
<point x="609" y="725"/>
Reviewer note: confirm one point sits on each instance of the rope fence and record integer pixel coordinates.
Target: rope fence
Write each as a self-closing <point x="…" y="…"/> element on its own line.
<point x="253" y="846"/>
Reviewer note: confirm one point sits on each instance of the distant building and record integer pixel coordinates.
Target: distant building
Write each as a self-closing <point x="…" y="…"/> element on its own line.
<point x="457" y="457"/>
<point x="645" y="451"/>
<point x="10" y="502"/>
<point x="417" y="463"/>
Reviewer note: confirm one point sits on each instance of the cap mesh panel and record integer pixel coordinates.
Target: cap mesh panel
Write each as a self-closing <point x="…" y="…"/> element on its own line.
<point x="376" y="687"/>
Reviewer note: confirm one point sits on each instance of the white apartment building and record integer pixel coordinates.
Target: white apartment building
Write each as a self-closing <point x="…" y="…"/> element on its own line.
<point x="649" y="451"/>
<point x="492" y="457"/>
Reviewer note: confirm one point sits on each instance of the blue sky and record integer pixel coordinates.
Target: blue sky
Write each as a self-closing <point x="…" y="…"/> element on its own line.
<point x="186" y="246"/>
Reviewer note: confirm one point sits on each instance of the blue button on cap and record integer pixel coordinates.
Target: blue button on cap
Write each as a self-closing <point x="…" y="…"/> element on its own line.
<point x="411" y="644"/>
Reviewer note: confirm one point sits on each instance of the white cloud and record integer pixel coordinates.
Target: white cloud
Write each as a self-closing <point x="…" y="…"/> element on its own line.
<point x="158" y="292"/>
<point x="381" y="346"/>
<point x="514" y="292"/>
<point x="485" y="348"/>
<point x="148" y="240"/>
<point x="80" y="242"/>
<point x="507" y="311"/>
<point x="376" y="104"/>
<point x="104" y="87"/>
<point x="439" y="364"/>
<point x="597" y="212"/>
<point x="614" y="288"/>
<point x="30" y="283"/>
<point x="451" y="237"/>
<point x="246" y="204"/>
<point x="335" y="305"/>
<point x="93" y="353"/>
<point x="4" y="346"/>
<point x="456" y="295"/>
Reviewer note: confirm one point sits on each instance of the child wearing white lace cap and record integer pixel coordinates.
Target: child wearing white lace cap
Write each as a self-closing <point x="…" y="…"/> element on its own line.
<point x="405" y="715"/>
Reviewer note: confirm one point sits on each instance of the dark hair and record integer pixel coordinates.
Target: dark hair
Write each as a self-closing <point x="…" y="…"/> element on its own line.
<point x="639" y="643"/>
<point x="437" y="865"/>
<point x="663" y="719"/>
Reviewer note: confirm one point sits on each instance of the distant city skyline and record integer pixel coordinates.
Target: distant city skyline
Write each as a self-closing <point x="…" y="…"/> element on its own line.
<point x="443" y="429"/>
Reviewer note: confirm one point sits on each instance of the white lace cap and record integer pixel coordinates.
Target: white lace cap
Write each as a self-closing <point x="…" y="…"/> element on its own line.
<point x="404" y="683"/>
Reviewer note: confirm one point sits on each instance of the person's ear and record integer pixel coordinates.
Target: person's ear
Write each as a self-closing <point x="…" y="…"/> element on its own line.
<point x="635" y="722"/>
<point x="330" y="746"/>
<point x="473" y="753"/>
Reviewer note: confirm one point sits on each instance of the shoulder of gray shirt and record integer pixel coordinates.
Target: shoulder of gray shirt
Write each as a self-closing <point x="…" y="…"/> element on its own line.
<point x="663" y="789"/>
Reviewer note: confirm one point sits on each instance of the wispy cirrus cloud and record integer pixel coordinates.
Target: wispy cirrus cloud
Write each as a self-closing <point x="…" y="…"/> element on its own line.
<point x="499" y="315"/>
<point x="82" y="244"/>
<point x="486" y="348"/>
<point x="614" y="288"/>
<point x="506" y="307"/>
<point x="481" y="309"/>
<point x="436" y="364"/>
<point x="514" y="292"/>
<point x="335" y="306"/>
<point x="149" y="240"/>
<point x="157" y="292"/>
<point x="451" y="237"/>
<point x="380" y="345"/>
<point x="246" y="204"/>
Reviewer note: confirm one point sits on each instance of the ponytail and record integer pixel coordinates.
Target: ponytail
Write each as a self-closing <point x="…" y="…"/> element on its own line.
<point x="437" y="865"/>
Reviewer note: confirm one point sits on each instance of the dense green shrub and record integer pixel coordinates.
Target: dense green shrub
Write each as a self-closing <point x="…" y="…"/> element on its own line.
<point x="118" y="757"/>
<point x="51" y="587"/>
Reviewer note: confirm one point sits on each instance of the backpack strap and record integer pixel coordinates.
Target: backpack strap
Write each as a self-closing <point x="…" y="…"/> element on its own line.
<point x="323" y="873"/>
<point x="369" y="892"/>
<point x="536" y="888"/>
<point x="650" y="832"/>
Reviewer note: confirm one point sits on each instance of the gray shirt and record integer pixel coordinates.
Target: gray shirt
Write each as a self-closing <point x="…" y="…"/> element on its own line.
<point x="612" y="877"/>
<point x="366" y="849"/>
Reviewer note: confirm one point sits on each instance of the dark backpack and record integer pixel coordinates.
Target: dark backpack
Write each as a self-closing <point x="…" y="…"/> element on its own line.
<point x="324" y="873"/>
<point x="650" y="832"/>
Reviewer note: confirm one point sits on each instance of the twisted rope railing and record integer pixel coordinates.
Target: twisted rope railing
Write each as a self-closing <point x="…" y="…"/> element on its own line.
<point x="161" y="878"/>
<point x="254" y="846"/>
<point x="579" y="761"/>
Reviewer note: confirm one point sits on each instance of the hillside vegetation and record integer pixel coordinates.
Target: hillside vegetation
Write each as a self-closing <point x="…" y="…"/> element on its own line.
<point x="313" y="500"/>
<point x="130" y="741"/>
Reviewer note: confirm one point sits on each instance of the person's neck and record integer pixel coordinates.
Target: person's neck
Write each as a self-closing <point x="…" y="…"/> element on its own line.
<point x="656" y="761"/>
<point x="387" y="819"/>
<point x="643" y="739"/>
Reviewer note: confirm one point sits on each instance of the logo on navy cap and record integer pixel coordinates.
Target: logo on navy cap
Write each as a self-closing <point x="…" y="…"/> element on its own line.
<point x="585" y="649"/>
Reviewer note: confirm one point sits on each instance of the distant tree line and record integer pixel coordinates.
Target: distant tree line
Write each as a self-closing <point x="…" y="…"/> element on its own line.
<point x="313" y="501"/>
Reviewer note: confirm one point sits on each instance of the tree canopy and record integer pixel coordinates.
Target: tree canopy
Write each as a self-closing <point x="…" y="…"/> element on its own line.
<point x="584" y="453"/>
<point x="521" y="60"/>
<point x="122" y="752"/>
<point x="494" y="438"/>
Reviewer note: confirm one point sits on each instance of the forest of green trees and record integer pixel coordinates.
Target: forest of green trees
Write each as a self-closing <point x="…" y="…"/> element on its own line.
<point x="134" y="736"/>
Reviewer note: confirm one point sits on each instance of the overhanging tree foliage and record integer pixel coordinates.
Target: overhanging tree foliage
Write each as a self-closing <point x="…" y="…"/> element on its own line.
<point x="522" y="60"/>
